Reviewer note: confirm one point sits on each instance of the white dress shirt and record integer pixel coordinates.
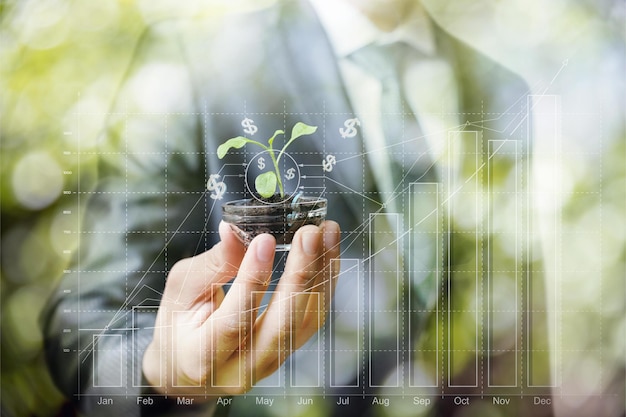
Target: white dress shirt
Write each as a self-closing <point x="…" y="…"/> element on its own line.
<point x="429" y="84"/>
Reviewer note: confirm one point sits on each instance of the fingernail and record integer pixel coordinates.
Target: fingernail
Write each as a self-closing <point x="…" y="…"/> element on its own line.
<point x="265" y="248"/>
<point x="224" y="229"/>
<point x="311" y="241"/>
<point x="331" y="235"/>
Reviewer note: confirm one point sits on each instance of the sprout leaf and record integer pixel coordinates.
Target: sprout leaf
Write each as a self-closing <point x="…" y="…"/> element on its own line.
<point x="278" y="132"/>
<point x="265" y="184"/>
<point x="236" y="143"/>
<point x="299" y="129"/>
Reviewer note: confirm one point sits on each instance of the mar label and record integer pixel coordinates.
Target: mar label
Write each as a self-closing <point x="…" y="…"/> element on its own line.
<point x="184" y="401"/>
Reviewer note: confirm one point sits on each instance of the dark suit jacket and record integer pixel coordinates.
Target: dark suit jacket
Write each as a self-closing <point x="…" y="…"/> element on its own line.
<point x="149" y="209"/>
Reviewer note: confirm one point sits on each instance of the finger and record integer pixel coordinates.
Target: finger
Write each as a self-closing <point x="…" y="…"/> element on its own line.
<point x="191" y="280"/>
<point x="273" y="329"/>
<point x="231" y="324"/>
<point x="324" y="285"/>
<point x="302" y="272"/>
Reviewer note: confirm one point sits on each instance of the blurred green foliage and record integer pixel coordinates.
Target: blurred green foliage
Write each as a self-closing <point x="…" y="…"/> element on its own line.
<point x="54" y="55"/>
<point x="59" y="55"/>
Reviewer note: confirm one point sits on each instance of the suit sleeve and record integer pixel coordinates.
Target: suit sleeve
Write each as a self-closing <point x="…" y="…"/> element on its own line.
<point x="147" y="211"/>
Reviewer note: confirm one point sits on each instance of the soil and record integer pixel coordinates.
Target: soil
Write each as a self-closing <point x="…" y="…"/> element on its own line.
<point x="250" y="218"/>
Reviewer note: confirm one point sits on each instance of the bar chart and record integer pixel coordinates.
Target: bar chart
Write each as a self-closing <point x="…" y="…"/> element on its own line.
<point x="449" y="286"/>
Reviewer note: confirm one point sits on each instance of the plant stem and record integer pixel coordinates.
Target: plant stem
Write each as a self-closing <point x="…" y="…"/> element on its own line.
<point x="277" y="171"/>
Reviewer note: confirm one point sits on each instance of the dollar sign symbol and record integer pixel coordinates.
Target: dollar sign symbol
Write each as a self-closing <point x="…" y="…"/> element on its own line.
<point x="261" y="163"/>
<point x="328" y="163"/>
<point x="290" y="174"/>
<point x="218" y="187"/>
<point x="350" y="130"/>
<point x="248" y="126"/>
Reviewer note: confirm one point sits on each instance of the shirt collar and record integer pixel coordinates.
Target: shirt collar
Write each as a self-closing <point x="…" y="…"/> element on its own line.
<point x="349" y="30"/>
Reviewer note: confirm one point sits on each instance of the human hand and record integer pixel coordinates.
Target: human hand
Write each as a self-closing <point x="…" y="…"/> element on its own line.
<point x="210" y="342"/>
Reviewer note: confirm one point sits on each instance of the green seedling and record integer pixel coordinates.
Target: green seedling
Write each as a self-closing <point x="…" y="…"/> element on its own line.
<point x="268" y="182"/>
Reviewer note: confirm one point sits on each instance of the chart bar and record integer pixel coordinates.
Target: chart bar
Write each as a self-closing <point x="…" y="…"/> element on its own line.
<point x="267" y="356"/>
<point x="346" y="325"/>
<point x="384" y="315"/>
<point x="217" y="348"/>
<point x="464" y="256"/>
<point x="108" y="352"/>
<point x="424" y="262"/>
<point x="503" y="261"/>
<point x="544" y="234"/>
<point x="141" y="315"/>
<point x="306" y="369"/>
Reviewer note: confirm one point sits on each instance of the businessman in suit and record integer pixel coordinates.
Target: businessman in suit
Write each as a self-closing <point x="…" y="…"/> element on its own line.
<point x="142" y="275"/>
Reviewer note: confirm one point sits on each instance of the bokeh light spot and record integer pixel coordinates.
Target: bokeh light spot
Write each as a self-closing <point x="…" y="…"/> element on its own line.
<point x="37" y="180"/>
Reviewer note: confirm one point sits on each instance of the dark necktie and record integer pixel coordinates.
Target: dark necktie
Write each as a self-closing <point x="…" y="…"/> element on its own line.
<point x="403" y="136"/>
